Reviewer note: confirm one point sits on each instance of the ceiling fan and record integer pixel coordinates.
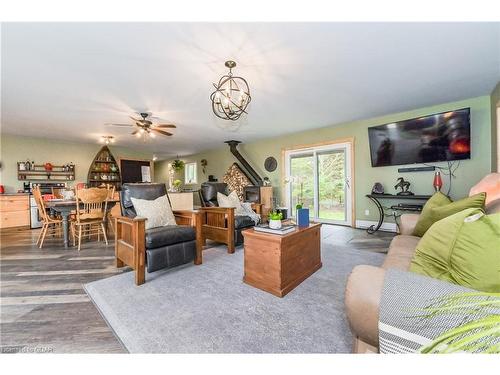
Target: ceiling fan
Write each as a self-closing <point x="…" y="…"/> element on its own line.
<point x="145" y="127"/>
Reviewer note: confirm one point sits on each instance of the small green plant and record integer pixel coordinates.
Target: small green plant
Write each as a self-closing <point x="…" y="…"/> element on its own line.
<point x="477" y="335"/>
<point x="177" y="183"/>
<point x="178" y="165"/>
<point x="298" y="206"/>
<point x="275" y="215"/>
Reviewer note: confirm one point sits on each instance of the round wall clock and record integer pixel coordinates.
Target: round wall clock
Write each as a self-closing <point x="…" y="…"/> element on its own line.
<point x="270" y="164"/>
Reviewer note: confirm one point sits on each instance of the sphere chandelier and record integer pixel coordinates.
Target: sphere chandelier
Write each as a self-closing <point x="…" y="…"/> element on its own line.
<point x="231" y="96"/>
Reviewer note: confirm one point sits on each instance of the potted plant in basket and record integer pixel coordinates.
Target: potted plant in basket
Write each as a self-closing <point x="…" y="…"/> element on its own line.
<point x="275" y="219"/>
<point x="178" y="165"/>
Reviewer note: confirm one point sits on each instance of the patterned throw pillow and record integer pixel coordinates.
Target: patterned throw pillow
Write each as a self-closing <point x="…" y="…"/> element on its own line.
<point x="157" y="212"/>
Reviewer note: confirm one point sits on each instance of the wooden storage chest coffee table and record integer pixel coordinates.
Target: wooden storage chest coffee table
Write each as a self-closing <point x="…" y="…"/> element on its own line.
<point x="277" y="264"/>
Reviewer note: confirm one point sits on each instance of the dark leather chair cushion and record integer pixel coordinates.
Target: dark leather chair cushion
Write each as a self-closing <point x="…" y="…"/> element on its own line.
<point x="139" y="191"/>
<point x="169" y="235"/>
<point x="170" y="256"/>
<point x="208" y="193"/>
<point x="243" y="222"/>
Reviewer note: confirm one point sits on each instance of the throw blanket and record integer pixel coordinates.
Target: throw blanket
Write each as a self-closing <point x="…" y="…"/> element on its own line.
<point x="245" y="209"/>
<point x="402" y="328"/>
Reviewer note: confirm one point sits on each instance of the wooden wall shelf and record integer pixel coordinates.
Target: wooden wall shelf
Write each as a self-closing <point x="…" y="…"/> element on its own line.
<point x="104" y="170"/>
<point x="39" y="173"/>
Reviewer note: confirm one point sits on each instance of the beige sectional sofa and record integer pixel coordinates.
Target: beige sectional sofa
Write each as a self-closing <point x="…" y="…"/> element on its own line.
<point x="364" y="285"/>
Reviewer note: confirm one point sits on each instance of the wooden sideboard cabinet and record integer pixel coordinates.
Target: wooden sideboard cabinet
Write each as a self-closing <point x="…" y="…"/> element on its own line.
<point x="14" y="211"/>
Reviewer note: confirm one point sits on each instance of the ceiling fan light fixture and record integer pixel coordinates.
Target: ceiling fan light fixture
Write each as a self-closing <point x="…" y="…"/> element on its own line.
<point x="107" y="139"/>
<point x="231" y="96"/>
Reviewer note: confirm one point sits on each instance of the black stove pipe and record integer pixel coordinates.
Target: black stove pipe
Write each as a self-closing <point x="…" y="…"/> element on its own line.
<point x="254" y="176"/>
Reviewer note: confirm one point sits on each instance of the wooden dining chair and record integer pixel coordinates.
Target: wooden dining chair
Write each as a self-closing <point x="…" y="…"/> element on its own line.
<point x="57" y="192"/>
<point x="111" y="196"/>
<point x="50" y="225"/>
<point x="91" y="208"/>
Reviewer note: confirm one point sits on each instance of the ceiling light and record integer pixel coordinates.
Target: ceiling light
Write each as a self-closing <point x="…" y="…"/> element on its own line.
<point x="155" y="158"/>
<point x="151" y="134"/>
<point x="107" y="139"/>
<point x="235" y="93"/>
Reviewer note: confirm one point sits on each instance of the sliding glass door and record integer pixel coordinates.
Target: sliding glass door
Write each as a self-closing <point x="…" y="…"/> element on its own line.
<point x="319" y="178"/>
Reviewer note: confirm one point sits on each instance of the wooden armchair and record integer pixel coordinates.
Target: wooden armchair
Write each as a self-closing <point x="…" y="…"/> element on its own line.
<point x="154" y="248"/>
<point x="220" y="224"/>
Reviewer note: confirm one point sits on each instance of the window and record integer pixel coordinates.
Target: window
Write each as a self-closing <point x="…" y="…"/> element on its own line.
<point x="190" y="173"/>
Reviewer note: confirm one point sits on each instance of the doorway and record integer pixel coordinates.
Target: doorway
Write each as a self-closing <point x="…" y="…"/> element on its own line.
<point x="320" y="177"/>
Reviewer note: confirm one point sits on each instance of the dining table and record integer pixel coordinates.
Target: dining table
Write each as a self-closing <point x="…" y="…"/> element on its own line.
<point x="64" y="208"/>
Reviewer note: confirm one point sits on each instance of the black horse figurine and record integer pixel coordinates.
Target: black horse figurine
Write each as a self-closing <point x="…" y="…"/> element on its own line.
<point x="404" y="186"/>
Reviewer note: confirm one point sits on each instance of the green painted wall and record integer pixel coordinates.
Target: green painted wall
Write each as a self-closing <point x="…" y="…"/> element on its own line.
<point x="495" y="103"/>
<point x="16" y="148"/>
<point x="468" y="174"/>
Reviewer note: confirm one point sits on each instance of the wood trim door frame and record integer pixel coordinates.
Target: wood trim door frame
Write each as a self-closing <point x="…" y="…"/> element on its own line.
<point x="305" y="147"/>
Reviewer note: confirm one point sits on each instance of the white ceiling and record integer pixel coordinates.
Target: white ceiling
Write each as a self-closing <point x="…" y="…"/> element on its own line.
<point x="65" y="80"/>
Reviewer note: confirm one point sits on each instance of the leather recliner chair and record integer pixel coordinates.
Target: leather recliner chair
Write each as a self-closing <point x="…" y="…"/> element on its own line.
<point x="164" y="247"/>
<point x="230" y="231"/>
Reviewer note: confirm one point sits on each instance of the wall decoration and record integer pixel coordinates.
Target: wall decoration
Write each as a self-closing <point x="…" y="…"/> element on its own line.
<point x="204" y="164"/>
<point x="270" y="164"/>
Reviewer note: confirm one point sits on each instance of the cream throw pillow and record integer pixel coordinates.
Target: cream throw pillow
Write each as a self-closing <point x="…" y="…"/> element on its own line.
<point x="157" y="212"/>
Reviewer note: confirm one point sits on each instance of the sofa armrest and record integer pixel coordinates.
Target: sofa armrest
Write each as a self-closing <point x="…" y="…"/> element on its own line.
<point x="362" y="302"/>
<point x="130" y="245"/>
<point x="407" y="223"/>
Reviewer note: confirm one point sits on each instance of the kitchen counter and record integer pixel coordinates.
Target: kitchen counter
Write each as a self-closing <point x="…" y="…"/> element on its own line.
<point x="13" y="194"/>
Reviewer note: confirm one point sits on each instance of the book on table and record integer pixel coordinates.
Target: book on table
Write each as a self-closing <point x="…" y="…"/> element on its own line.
<point x="283" y="230"/>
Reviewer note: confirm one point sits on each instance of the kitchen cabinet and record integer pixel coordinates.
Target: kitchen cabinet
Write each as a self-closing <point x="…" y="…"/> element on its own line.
<point x="14" y="210"/>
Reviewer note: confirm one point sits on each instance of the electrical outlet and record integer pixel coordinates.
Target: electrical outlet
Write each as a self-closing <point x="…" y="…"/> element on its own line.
<point x="367" y="212"/>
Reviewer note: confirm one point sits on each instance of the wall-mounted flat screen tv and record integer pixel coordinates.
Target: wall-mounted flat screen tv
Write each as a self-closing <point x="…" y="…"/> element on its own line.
<point x="439" y="137"/>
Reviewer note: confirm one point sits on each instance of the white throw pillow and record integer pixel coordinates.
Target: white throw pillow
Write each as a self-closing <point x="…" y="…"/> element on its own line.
<point x="228" y="201"/>
<point x="157" y="212"/>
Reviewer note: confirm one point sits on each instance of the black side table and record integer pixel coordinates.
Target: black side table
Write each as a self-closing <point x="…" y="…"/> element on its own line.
<point x="376" y="199"/>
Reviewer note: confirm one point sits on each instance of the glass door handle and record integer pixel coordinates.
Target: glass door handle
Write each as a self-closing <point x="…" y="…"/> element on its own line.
<point x="347" y="183"/>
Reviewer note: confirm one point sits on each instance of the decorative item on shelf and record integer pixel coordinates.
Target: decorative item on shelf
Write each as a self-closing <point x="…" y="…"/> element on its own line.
<point x="177" y="185"/>
<point x="211" y="178"/>
<point x="377" y="188"/>
<point x="29" y="165"/>
<point x="404" y="186"/>
<point x="178" y="165"/>
<point x="438" y="182"/>
<point x="114" y="168"/>
<point x="270" y="164"/>
<point x="21" y="166"/>
<point x="275" y="218"/>
<point x="231" y="96"/>
<point x="204" y="164"/>
<point x="266" y="181"/>
<point x="48" y="167"/>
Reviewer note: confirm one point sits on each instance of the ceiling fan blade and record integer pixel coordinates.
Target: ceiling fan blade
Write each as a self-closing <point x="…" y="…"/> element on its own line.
<point x="165" y="126"/>
<point x="161" y="132"/>
<point x="136" y="120"/>
<point x="135" y="132"/>
<point x="109" y="124"/>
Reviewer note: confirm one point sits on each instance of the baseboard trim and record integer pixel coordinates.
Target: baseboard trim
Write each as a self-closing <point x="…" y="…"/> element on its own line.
<point x="386" y="227"/>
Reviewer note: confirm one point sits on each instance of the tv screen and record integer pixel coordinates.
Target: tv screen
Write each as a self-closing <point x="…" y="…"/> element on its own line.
<point x="440" y="137"/>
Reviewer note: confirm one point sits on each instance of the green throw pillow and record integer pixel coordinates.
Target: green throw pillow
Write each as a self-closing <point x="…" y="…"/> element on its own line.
<point x="463" y="249"/>
<point x="440" y="206"/>
<point x="425" y="219"/>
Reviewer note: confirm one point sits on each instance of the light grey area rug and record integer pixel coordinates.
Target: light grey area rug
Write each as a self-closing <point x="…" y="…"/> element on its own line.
<point x="208" y="309"/>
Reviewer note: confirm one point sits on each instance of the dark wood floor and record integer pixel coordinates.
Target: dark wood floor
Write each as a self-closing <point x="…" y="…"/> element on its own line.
<point x="44" y="307"/>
